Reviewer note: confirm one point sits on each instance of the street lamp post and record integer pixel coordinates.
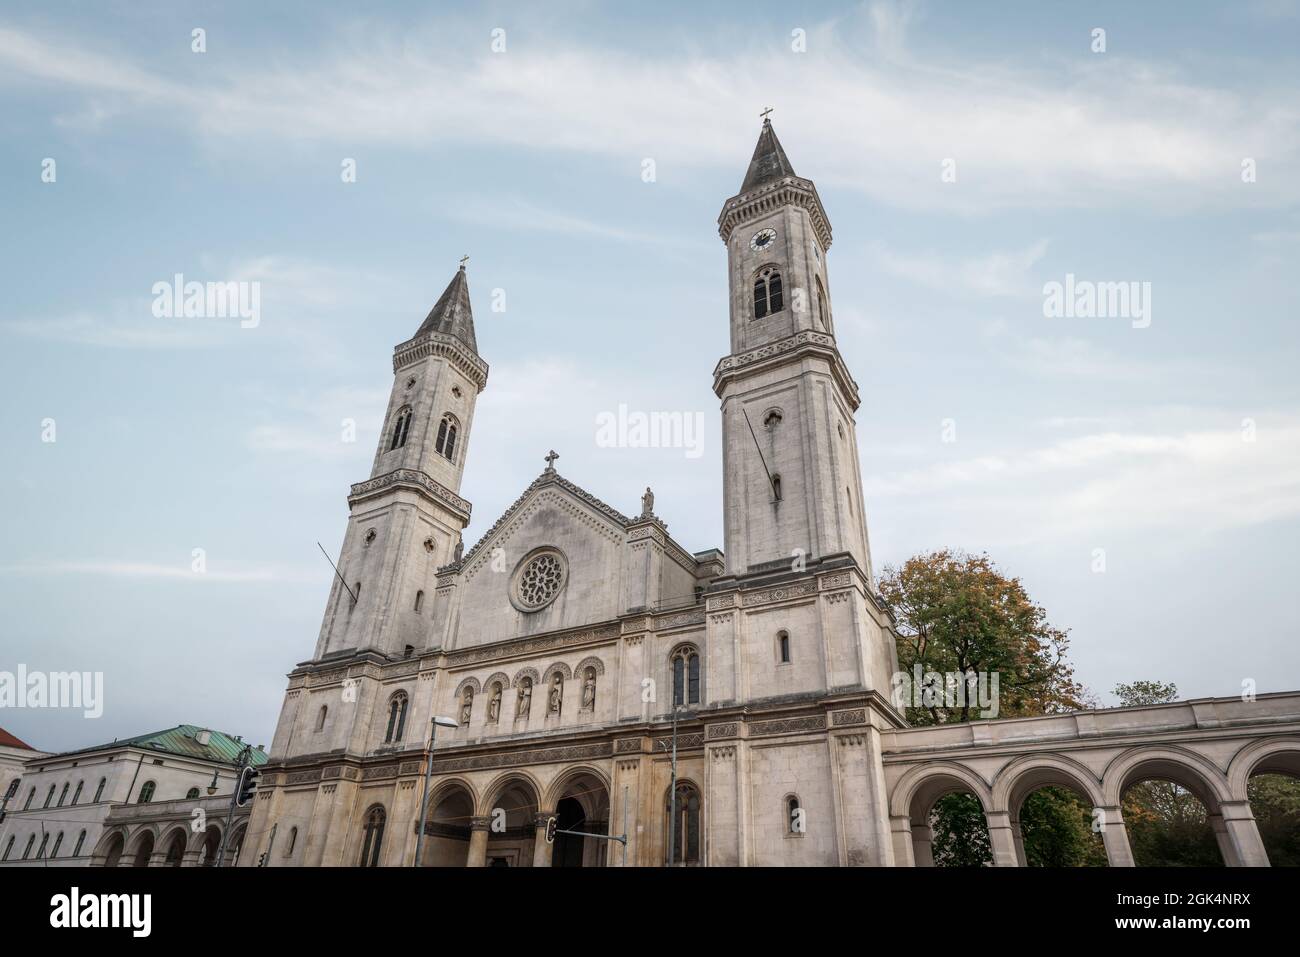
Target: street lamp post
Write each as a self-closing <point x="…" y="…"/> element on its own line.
<point x="434" y="724"/>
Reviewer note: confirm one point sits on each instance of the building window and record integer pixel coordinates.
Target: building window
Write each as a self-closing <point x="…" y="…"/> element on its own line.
<point x="293" y="839"/>
<point x="419" y="601"/>
<point x="63" y="795"/>
<point x="8" y="848"/>
<point x="191" y="794"/>
<point x="374" y="840"/>
<point x="684" y="819"/>
<point x="776" y="486"/>
<point x="99" y="791"/>
<point x="793" y="815"/>
<point x="146" y="792"/>
<point x="396" y="718"/>
<point x="783" y="647"/>
<point x="320" y="717"/>
<point x="401" y="426"/>
<point x="821" y="304"/>
<point x="81" y="839"/>
<point x="58" y="842"/>
<point x="40" y="851"/>
<point x="27" y="851"/>
<point x="686" y="676"/>
<point x="49" y="796"/>
<point x="30" y="796"/>
<point x="767" y="292"/>
<point x="76" y="795"/>
<point x="446" y="444"/>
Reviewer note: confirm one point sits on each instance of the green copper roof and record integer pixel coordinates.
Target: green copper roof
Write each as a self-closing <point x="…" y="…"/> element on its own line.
<point x="182" y="741"/>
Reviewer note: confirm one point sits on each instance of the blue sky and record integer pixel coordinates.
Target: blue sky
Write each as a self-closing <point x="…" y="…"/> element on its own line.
<point x="1072" y="434"/>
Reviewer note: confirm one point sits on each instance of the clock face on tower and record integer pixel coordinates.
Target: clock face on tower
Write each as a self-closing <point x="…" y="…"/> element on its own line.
<point x="762" y="239"/>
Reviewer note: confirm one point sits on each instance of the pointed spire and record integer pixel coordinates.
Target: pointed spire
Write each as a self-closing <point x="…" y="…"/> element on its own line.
<point x="451" y="314"/>
<point x="769" y="162"/>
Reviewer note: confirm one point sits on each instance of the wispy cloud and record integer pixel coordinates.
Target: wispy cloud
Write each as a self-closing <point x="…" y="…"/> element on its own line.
<point x="219" y="572"/>
<point x="1088" y="132"/>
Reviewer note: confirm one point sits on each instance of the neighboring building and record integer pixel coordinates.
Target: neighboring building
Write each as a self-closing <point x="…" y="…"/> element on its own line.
<point x="70" y="808"/>
<point x="14" y="753"/>
<point x="562" y="643"/>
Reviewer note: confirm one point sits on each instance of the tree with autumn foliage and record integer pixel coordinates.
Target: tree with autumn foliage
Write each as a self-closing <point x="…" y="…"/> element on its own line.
<point x="958" y="613"/>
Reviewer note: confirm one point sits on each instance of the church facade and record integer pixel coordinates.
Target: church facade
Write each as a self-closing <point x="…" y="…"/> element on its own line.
<point x="727" y="707"/>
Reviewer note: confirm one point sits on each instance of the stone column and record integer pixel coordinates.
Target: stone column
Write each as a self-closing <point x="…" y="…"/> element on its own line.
<point x="478" y="842"/>
<point x="158" y="858"/>
<point x="901" y="834"/>
<point x="1019" y="837"/>
<point x="1243" y="834"/>
<point x="541" y="849"/>
<point x="1001" y="839"/>
<point x="1115" y="836"/>
<point x="922" y="849"/>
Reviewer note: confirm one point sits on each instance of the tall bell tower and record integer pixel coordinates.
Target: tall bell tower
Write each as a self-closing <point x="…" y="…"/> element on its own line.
<point x="405" y="521"/>
<point x="792" y="485"/>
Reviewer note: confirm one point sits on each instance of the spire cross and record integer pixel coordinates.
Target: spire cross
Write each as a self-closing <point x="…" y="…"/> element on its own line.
<point x="550" y="460"/>
<point x="463" y="260"/>
<point x="764" y="114"/>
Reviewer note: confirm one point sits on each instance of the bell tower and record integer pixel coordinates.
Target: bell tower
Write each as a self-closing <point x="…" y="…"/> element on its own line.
<point x="792" y="484"/>
<point x="405" y="520"/>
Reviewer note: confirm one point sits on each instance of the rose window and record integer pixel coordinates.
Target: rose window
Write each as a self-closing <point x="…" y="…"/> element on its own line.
<point x="541" y="580"/>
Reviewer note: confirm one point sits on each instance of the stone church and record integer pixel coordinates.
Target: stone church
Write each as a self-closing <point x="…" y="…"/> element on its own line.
<point x="750" y="724"/>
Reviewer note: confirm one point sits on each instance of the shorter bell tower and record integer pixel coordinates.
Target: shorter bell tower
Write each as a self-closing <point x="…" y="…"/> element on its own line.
<point x="406" y="520"/>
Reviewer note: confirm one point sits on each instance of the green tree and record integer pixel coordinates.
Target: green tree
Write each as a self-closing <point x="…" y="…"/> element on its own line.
<point x="957" y="613"/>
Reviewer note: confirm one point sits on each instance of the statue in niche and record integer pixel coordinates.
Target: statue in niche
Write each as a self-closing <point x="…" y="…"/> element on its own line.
<point x="466" y="705"/>
<point x="647" y="503"/>
<point x="494" y="703"/>
<point x="589" y="690"/>
<point x="460" y="549"/>
<point x="557" y="693"/>
<point x="525" y="702"/>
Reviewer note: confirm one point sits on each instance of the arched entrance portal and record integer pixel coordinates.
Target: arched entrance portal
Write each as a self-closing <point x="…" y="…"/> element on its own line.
<point x="581" y="805"/>
<point x="447" y="828"/>
<point x="512" y="825"/>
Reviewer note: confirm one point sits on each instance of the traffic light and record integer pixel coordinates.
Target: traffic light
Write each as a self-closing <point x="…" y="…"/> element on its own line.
<point x="246" y="785"/>
<point x="550" y="830"/>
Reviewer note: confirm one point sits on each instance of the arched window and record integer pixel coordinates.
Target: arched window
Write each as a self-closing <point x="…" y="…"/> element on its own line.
<point x="76" y="795"/>
<point x="419" y="601"/>
<point x="49" y="796"/>
<point x="40" y="851"/>
<point x="30" y="796"/>
<point x="793" y="815"/>
<point x="191" y="794"/>
<point x="146" y="792"/>
<point x="58" y="842"/>
<point x="63" y="795"/>
<point x="320" y="717"/>
<point x="767" y="292"/>
<point x="686" y="676"/>
<point x="396" y="718"/>
<point x="8" y="848"/>
<point x="81" y="839"/>
<point x="821" y="304"/>
<point x="776" y="485"/>
<point x="401" y="425"/>
<point x="783" y="647"/>
<point x="99" y="791"/>
<point x="27" y="851"/>
<point x="293" y="839"/>
<point x="684" y="820"/>
<point x="374" y="839"/>
<point x="446" y="444"/>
